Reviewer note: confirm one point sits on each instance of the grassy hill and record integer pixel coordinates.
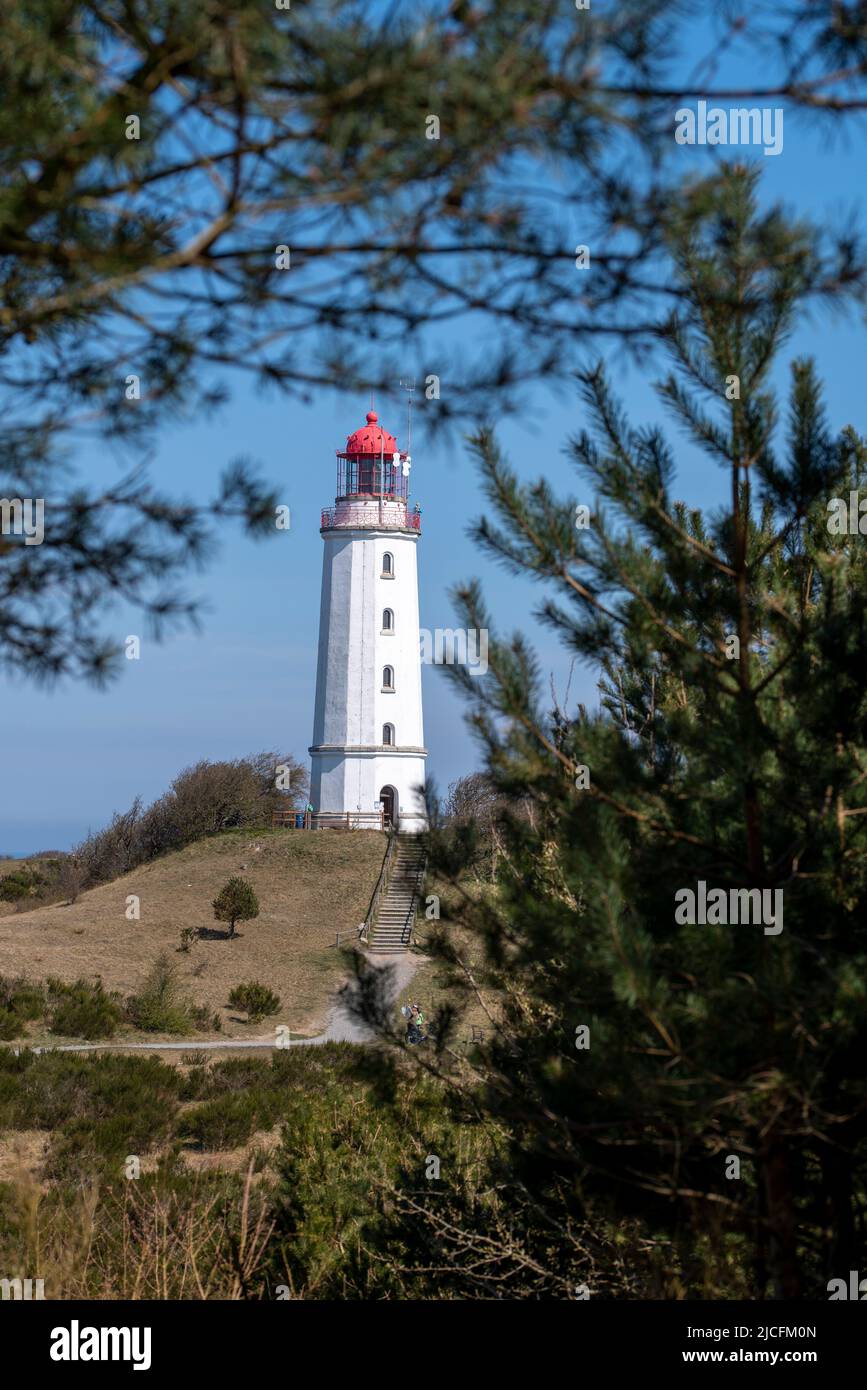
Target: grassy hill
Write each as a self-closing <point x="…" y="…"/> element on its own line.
<point x="309" y="886"/>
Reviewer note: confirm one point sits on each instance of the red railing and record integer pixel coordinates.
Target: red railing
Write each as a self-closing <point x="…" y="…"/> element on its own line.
<point x="410" y="521"/>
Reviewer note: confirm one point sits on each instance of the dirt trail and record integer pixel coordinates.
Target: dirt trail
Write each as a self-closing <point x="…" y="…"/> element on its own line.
<point x="341" y="1026"/>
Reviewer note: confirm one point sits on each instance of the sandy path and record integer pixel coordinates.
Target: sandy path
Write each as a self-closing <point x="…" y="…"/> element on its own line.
<point x="341" y="1026"/>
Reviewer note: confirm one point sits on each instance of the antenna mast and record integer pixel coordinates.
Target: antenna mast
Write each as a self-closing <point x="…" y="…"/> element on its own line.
<point x="408" y="384"/>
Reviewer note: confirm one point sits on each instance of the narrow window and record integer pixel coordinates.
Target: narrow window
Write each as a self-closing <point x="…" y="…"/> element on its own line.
<point x="388" y="565"/>
<point x="388" y="678"/>
<point x="387" y="620"/>
<point x="388" y="735"/>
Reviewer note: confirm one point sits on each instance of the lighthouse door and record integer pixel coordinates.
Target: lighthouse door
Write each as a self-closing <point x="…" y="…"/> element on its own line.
<point x="387" y="798"/>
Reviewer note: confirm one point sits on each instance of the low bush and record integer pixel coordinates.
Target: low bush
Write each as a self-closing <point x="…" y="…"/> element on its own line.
<point x="257" y="1000"/>
<point x="54" y="1090"/>
<point x="10" y="1025"/>
<point x="125" y="1105"/>
<point x="83" y="1010"/>
<point x="204" y="1020"/>
<point x="159" y="1006"/>
<point x="194" y="1083"/>
<point x="85" y="1148"/>
<point x="311" y="1068"/>
<point x="20" y="1000"/>
<point x="24" y="998"/>
<point x="228" y="1121"/>
<point x="239" y="1074"/>
<point x="21" y="883"/>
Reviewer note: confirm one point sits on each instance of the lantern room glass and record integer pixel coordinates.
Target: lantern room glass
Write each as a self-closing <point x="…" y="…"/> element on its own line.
<point x="371" y="475"/>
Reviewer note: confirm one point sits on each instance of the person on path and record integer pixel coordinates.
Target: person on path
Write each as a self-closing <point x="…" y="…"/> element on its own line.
<point x="415" y="1021"/>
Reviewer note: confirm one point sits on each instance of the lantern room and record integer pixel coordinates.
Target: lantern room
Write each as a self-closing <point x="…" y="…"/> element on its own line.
<point x="372" y="465"/>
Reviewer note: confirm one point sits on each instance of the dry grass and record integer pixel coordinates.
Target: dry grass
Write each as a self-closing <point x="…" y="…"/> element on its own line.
<point x="264" y="1144"/>
<point x="169" y="1249"/>
<point x="309" y="886"/>
<point x="23" y="1151"/>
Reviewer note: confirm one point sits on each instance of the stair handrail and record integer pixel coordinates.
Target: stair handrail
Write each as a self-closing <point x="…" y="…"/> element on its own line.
<point x="381" y="884"/>
<point x="406" y="930"/>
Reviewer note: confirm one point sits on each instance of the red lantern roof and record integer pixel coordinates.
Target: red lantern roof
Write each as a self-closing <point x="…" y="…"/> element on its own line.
<point x="371" y="438"/>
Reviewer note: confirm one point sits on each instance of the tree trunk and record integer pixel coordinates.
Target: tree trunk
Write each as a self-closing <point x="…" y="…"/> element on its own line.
<point x="841" y="1241"/>
<point x="782" y="1256"/>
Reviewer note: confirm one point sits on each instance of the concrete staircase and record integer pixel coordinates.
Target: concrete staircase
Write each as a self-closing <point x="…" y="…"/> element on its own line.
<point x="393" y="924"/>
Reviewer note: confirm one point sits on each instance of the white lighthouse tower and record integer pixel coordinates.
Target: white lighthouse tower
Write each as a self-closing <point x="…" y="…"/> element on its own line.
<point x="368" y="748"/>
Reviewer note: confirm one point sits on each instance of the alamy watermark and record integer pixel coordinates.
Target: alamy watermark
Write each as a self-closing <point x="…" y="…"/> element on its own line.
<point x="847" y="519"/>
<point x="77" y="1343"/>
<point x="455" y="647"/>
<point x="856" y="1288"/>
<point x="28" y="1290"/>
<point x="739" y="125"/>
<point x="22" y="516"/>
<point x="730" y="907"/>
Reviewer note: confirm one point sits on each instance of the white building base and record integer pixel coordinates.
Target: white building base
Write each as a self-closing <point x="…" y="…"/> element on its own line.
<point x="352" y="779"/>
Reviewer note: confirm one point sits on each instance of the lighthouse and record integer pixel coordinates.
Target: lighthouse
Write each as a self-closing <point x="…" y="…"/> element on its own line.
<point x="368" y="753"/>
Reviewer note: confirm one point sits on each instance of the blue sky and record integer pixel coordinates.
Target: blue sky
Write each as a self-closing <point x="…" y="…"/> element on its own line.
<point x="74" y="755"/>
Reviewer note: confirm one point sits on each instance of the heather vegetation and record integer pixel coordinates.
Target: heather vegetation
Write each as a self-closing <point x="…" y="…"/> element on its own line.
<point x="359" y="1217"/>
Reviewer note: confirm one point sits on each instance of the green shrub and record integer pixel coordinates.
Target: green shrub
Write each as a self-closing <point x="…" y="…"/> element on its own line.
<point x="123" y="1105"/>
<point x="19" y="1001"/>
<point x="21" y="883"/>
<point x="85" y="1148"/>
<point x="239" y="1074"/>
<point x="310" y="1068"/>
<point x="11" y="889"/>
<point x="159" y="1006"/>
<point x="10" y="1024"/>
<point x="194" y="1083"/>
<point x="83" y="1010"/>
<point x="28" y="1001"/>
<point x="58" y="1089"/>
<point x="225" y="1123"/>
<point x="257" y="1000"/>
<point x="204" y="1020"/>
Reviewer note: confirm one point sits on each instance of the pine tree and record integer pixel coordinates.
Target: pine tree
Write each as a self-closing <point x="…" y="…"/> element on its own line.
<point x="706" y="1079"/>
<point x="235" y="902"/>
